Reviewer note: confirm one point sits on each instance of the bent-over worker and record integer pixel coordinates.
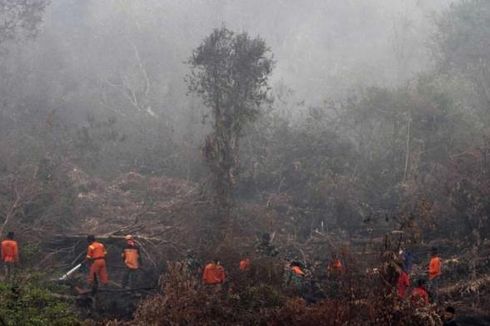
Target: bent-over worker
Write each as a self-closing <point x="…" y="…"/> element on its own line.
<point x="214" y="273"/>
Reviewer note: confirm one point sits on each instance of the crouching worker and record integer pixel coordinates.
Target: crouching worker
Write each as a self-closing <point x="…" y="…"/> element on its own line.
<point x="10" y="255"/>
<point x="214" y="275"/>
<point x="96" y="257"/>
<point x="132" y="259"/>
<point x="295" y="277"/>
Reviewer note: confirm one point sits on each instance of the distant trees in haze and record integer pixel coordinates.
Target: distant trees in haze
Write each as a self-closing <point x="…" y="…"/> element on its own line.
<point x="379" y="156"/>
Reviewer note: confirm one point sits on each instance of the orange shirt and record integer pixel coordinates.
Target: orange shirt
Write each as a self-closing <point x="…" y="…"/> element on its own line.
<point x="10" y="251"/>
<point x="434" y="267"/>
<point x="96" y="251"/>
<point x="297" y="271"/>
<point x="213" y="274"/>
<point x="245" y="264"/>
<point x="131" y="256"/>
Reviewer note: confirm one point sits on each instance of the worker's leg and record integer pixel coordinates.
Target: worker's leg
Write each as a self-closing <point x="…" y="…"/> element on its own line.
<point x="13" y="271"/>
<point x="92" y="272"/>
<point x="125" y="278"/>
<point x="132" y="277"/>
<point x="104" y="278"/>
<point x="5" y="272"/>
<point x="9" y="271"/>
<point x="434" y="288"/>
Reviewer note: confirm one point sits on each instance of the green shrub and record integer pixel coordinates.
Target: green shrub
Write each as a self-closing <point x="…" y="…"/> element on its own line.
<point x="29" y="304"/>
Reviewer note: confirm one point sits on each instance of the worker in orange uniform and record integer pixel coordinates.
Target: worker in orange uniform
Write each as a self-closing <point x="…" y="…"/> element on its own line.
<point x="214" y="274"/>
<point x="296" y="276"/>
<point x="96" y="254"/>
<point x="434" y="271"/>
<point x="132" y="259"/>
<point x="10" y="254"/>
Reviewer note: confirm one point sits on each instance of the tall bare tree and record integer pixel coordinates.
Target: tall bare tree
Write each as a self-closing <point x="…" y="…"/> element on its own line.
<point x="230" y="73"/>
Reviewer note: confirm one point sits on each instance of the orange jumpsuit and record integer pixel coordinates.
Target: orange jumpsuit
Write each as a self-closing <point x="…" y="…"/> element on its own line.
<point x="434" y="267"/>
<point x="10" y="251"/>
<point x="213" y="274"/>
<point x="96" y="254"/>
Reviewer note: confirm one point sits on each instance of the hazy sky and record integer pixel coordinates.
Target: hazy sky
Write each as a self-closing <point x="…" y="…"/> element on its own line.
<point x="323" y="48"/>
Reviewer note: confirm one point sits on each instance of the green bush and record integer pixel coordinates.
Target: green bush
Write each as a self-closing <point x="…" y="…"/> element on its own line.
<point x="30" y="304"/>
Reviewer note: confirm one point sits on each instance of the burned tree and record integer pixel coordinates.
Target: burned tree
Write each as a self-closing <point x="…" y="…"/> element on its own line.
<point x="230" y="73"/>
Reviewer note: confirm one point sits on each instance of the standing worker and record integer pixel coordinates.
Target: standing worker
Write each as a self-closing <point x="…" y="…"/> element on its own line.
<point x="132" y="259"/>
<point x="96" y="256"/>
<point x="10" y="254"/>
<point x="434" y="271"/>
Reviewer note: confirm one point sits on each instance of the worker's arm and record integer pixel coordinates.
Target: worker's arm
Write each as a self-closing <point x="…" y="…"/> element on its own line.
<point x="140" y="259"/>
<point x="90" y="253"/>
<point x="205" y="274"/>
<point x="3" y="252"/>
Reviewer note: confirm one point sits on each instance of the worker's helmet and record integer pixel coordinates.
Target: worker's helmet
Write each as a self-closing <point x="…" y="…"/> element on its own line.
<point x="10" y="235"/>
<point x="90" y="238"/>
<point x="128" y="237"/>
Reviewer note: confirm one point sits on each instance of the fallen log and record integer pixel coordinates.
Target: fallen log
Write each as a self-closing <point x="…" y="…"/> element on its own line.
<point x="108" y="237"/>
